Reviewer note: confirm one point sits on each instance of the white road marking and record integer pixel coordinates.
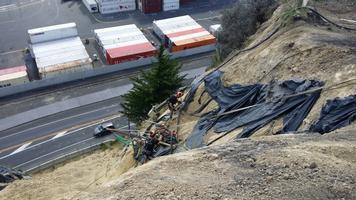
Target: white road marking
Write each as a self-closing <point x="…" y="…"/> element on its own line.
<point x="53" y="152"/>
<point x="23" y="147"/>
<point x="59" y="120"/>
<point x="59" y="135"/>
<point x="70" y="132"/>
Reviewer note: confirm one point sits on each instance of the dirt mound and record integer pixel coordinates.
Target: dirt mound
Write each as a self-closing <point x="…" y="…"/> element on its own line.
<point x="75" y="178"/>
<point x="273" y="167"/>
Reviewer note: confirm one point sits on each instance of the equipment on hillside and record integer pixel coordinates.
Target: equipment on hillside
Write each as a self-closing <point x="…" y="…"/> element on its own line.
<point x="158" y="143"/>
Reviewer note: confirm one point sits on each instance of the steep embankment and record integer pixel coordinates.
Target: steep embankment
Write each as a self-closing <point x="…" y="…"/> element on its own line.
<point x="74" y="178"/>
<point x="276" y="167"/>
<point x="306" y="49"/>
<point x="279" y="167"/>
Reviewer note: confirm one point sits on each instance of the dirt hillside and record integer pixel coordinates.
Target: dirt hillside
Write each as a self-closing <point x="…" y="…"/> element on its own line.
<point x="291" y="166"/>
<point x="73" y="178"/>
<point x="305" y="49"/>
<point x="274" y="167"/>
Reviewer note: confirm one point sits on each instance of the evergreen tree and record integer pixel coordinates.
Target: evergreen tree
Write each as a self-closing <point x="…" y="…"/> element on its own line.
<point x="152" y="87"/>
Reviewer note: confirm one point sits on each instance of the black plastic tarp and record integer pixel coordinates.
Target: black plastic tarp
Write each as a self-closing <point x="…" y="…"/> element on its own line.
<point x="269" y="102"/>
<point x="335" y="114"/>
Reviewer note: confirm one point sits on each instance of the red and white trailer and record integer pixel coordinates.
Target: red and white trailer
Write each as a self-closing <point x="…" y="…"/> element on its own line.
<point x="124" y="43"/>
<point x="183" y="33"/>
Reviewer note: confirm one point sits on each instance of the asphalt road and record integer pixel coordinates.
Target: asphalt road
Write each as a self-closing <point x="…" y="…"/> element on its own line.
<point x="40" y="152"/>
<point x="45" y="127"/>
<point x="17" y="16"/>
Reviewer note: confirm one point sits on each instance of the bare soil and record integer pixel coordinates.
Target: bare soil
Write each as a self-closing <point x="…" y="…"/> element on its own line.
<point x="74" y="178"/>
<point x="272" y="167"/>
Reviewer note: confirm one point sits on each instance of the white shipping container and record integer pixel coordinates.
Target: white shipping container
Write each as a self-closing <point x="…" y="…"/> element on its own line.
<point x="109" y="8"/>
<point x="123" y="34"/>
<point x="61" y="56"/>
<point x="50" y="33"/>
<point x="174" y="25"/>
<point x="170" y="5"/>
<point x="215" y="29"/>
<point x="110" y="41"/>
<point x="120" y="36"/>
<point x="114" y="1"/>
<point x="91" y="5"/>
<point x="112" y="30"/>
<point x="170" y="25"/>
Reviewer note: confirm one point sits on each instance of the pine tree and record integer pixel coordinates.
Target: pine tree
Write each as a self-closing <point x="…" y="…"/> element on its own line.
<point x="152" y="87"/>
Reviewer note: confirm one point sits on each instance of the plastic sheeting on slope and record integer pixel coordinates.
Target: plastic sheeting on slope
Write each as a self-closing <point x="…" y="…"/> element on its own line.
<point x="271" y="102"/>
<point x="335" y="114"/>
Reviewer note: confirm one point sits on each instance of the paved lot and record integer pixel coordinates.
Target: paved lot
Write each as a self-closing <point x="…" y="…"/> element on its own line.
<point x="17" y="16"/>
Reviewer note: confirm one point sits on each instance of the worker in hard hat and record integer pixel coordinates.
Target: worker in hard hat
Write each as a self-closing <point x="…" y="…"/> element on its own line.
<point x="173" y="102"/>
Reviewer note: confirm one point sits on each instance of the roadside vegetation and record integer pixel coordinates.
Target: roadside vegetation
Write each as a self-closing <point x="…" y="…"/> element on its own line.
<point x="241" y="21"/>
<point x="152" y="87"/>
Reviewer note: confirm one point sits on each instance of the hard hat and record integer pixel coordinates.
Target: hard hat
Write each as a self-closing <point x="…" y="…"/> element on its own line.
<point x="152" y="133"/>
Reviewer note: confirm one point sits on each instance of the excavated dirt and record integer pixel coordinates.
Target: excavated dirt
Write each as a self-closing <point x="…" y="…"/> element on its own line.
<point x="291" y="166"/>
<point x="77" y="177"/>
<point x="273" y="167"/>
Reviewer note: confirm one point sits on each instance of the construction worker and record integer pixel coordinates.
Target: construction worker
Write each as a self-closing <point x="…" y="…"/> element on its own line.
<point x="166" y="135"/>
<point x="173" y="102"/>
<point x="150" y="144"/>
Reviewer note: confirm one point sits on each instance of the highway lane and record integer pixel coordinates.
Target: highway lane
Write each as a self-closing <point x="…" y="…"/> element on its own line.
<point x="36" y="154"/>
<point x="42" y="129"/>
